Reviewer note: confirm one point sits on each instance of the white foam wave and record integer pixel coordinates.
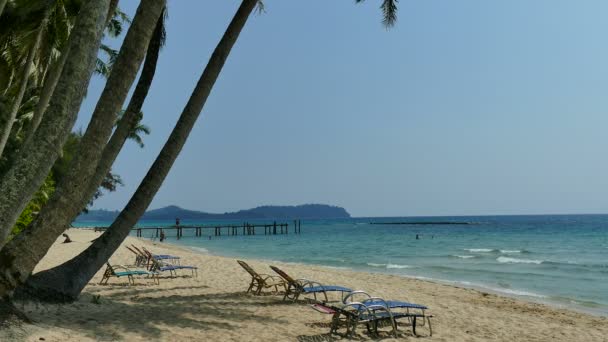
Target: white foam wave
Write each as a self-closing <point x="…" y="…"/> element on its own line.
<point x="479" y="250"/>
<point x="398" y="266"/>
<point x="506" y="260"/>
<point x="200" y="250"/>
<point x="482" y="287"/>
<point x="464" y="256"/>
<point x="375" y="265"/>
<point x="517" y="292"/>
<point x="509" y="251"/>
<point x="337" y="267"/>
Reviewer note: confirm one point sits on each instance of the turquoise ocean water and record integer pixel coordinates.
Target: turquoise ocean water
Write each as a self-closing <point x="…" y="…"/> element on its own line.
<point x="556" y="259"/>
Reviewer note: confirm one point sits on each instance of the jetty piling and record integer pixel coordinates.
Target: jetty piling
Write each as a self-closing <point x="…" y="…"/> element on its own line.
<point x="247" y="229"/>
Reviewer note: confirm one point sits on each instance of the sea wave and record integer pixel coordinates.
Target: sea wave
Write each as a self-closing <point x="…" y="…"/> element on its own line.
<point x="513" y="251"/>
<point x="516" y="292"/>
<point x="398" y="266"/>
<point x="200" y="250"/>
<point x="463" y="256"/>
<point x="480" y="250"/>
<point x="389" y="265"/>
<point x="507" y="260"/>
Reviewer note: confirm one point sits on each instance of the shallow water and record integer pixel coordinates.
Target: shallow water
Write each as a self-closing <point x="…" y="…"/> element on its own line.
<point x="559" y="259"/>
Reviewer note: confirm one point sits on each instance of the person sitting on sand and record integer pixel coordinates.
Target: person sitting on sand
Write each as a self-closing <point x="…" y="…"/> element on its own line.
<point x="67" y="238"/>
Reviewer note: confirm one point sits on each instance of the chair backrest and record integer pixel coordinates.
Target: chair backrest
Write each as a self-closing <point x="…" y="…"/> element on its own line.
<point x="248" y="269"/>
<point x="357" y="296"/>
<point x="138" y="250"/>
<point x="133" y="251"/>
<point x="109" y="270"/>
<point x="284" y="275"/>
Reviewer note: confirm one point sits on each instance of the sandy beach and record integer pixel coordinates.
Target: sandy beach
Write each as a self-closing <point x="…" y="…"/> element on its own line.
<point x="215" y="307"/>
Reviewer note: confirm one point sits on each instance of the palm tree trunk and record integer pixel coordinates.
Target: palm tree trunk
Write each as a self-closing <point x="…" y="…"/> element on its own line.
<point x="65" y="203"/>
<point x="66" y="281"/>
<point x="48" y="87"/>
<point x="33" y="163"/>
<point x="50" y="81"/>
<point x="27" y="69"/>
<point x="131" y="117"/>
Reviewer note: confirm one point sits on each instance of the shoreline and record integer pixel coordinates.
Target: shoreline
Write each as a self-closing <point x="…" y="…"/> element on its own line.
<point x="214" y="305"/>
<point x="529" y="297"/>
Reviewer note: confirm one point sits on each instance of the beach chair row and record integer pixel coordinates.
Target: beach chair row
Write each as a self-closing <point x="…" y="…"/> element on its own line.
<point x="353" y="309"/>
<point x="146" y="264"/>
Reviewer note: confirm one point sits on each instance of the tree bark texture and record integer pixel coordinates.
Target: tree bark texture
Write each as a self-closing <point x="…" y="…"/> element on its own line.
<point x="34" y="161"/>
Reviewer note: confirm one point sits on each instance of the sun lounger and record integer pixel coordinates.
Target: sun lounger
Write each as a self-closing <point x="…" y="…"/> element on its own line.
<point x="261" y="281"/>
<point x="173" y="258"/>
<point x="297" y="287"/>
<point x="140" y="259"/>
<point x="158" y="266"/>
<point x="121" y="271"/>
<point x="372" y="311"/>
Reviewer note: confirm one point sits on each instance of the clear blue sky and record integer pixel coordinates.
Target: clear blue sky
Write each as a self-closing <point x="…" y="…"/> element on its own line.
<point x="465" y="107"/>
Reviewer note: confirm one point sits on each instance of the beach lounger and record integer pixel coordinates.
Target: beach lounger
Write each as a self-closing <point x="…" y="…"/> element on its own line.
<point x="373" y="311"/>
<point x="297" y="287"/>
<point x="140" y="259"/>
<point x="261" y="281"/>
<point x="173" y="258"/>
<point x="121" y="271"/>
<point x="158" y="266"/>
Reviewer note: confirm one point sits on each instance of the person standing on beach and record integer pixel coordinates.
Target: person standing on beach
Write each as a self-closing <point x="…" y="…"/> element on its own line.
<point x="162" y="235"/>
<point x="177" y="221"/>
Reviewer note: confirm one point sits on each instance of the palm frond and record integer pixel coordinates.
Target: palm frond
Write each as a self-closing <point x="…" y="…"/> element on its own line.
<point x="260" y="7"/>
<point x="389" y="12"/>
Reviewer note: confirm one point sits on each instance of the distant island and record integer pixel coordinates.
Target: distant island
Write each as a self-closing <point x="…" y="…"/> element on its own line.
<point x="305" y="211"/>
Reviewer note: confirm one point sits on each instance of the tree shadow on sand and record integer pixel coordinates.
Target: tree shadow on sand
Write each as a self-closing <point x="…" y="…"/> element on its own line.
<point x="145" y="315"/>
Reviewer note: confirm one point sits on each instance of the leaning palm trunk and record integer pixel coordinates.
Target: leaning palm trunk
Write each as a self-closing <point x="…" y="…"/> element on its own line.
<point x="131" y="117"/>
<point x="64" y="204"/>
<point x="34" y="161"/>
<point x="66" y="281"/>
<point x="27" y="69"/>
<point x="48" y="87"/>
<point x="50" y="81"/>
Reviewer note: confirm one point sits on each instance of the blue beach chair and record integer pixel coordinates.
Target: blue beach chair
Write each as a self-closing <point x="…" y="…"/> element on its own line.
<point x="158" y="266"/>
<point x="122" y="271"/>
<point x="297" y="287"/>
<point x="372" y="311"/>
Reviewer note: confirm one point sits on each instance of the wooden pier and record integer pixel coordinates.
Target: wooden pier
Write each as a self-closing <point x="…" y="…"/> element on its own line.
<point x="221" y="230"/>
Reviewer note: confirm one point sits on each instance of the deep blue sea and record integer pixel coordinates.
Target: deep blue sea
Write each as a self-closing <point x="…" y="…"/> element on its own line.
<point x="557" y="259"/>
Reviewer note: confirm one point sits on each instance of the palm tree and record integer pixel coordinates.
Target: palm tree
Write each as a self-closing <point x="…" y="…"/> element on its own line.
<point x="66" y="281"/>
<point x="113" y="26"/>
<point x="36" y="158"/>
<point x="27" y="69"/>
<point x="65" y="203"/>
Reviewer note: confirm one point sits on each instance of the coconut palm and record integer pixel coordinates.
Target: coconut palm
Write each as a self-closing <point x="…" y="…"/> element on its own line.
<point x="67" y="280"/>
<point x="33" y="163"/>
<point x="23" y="82"/>
<point x="65" y="203"/>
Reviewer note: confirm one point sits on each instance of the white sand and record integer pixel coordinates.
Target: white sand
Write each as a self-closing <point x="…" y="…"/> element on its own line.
<point x="214" y="307"/>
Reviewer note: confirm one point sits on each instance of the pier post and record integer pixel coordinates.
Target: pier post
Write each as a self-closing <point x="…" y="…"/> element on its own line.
<point x="274" y="228"/>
